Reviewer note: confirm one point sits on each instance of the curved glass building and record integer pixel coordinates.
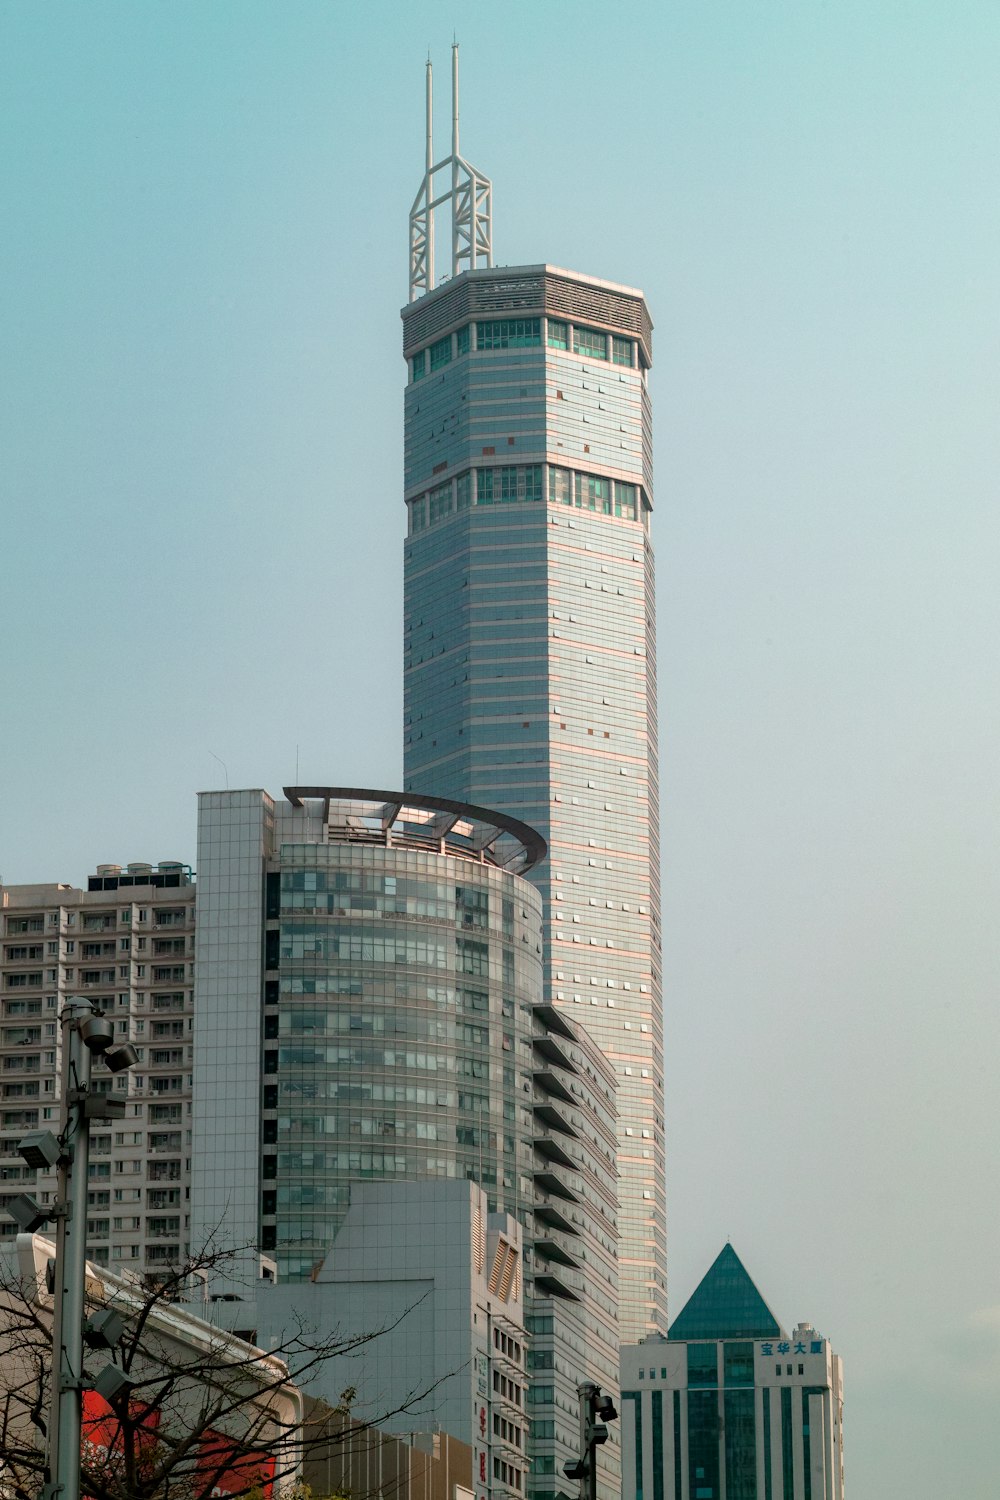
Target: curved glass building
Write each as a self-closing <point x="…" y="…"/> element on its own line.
<point x="368" y="963"/>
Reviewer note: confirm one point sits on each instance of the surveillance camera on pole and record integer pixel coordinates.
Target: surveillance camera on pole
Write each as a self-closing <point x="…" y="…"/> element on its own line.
<point x="86" y="1032"/>
<point x="596" y="1411"/>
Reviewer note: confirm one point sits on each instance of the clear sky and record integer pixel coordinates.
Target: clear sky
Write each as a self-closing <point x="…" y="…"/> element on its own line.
<point x="202" y="260"/>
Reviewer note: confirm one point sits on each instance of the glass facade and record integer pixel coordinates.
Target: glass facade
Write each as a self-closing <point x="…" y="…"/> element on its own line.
<point x="403" y="1007"/>
<point x="530" y="662"/>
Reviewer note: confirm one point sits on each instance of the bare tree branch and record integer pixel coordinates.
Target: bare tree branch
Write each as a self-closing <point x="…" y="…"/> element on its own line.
<point x="204" y="1412"/>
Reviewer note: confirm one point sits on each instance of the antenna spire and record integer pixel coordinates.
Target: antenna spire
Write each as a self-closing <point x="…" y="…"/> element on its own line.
<point x="470" y="195"/>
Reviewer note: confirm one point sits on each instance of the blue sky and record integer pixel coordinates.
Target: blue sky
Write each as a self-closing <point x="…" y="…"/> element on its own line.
<point x="202" y="261"/>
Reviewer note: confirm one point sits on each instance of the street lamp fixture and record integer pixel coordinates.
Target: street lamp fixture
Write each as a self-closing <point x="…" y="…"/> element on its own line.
<point x="40" y="1150"/>
<point x="26" y="1213"/>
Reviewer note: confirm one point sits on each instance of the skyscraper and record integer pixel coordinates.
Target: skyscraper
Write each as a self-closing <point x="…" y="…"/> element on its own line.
<point x="529" y="664"/>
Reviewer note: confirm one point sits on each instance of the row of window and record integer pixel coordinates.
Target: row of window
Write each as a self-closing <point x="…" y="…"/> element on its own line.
<point x="509" y="484"/>
<point x="523" y="333"/>
<point x="98" y="921"/>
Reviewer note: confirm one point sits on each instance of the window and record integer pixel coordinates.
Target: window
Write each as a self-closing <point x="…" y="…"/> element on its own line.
<point x="593" y="493"/>
<point x="471" y="957"/>
<point x="514" y="482"/>
<point x="625" y="501"/>
<point x="621" y="351"/>
<point x="558" y="334"/>
<point x="440" y="502"/>
<point x="418" y="515"/>
<point x="509" y="333"/>
<point x="418" y="365"/>
<point x="463" y="489"/>
<point x="590" y="342"/>
<point x="462" y="340"/>
<point x="560" y="486"/>
<point x="441" y="353"/>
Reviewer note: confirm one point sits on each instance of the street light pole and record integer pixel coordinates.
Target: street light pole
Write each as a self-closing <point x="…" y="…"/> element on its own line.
<point x="85" y="1030"/>
<point x="66" y="1402"/>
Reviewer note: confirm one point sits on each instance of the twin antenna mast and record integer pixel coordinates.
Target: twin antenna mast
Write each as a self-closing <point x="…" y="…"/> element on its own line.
<point x="469" y="193"/>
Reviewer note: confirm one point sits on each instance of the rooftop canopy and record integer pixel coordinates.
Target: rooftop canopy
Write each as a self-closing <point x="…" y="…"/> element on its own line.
<point x="410" y="819"/>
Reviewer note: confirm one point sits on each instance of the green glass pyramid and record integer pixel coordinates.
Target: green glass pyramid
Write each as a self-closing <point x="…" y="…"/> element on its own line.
<point x="725" y="1305"/>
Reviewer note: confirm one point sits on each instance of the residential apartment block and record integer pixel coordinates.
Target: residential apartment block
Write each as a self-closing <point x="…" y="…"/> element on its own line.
<point x="127" y="942"/>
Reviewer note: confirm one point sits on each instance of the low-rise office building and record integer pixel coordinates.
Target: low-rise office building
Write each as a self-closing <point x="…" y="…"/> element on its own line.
<point x="424" y="1285"/>
<point x="731" y="1406"/>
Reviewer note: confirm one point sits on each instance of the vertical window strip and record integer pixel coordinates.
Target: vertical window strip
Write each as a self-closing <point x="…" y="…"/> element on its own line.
<point x="766" y="1398"/>
<point x="807" y="1391"/>
<point x="657" y="1445"/>
<point x="418" y="365"/>
<point x="557" y="334"/>
<point x="593" y="492"/>
<point x="560" y="486"/>
<point x="621" y="351"/>
<point x="678" y="1464"/>
<point x="636" y="1398"/>
<point x="441" y="353"/>
<point x="625" y="501"/>
<point x="462" y="339"/>
<point x="440" y="502"/>
<point x="463" y="490"/>
<point x="787" y="1465"/>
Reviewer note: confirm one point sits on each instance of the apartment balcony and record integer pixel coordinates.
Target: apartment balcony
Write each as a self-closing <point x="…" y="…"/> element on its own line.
<point x="552" y="1249"/>
<point x="163" y="1171"/>
<point x="553" y="1283"/>
<point x="547" y="1145"/>
<point x="551" y="1182"/>
<point x="550" y="1116"/>
<point x="550" y="1051"/>
<point x="548" y="1214"/>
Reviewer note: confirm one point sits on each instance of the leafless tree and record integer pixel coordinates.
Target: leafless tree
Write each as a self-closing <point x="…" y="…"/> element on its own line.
<point x="202" y="1413"/>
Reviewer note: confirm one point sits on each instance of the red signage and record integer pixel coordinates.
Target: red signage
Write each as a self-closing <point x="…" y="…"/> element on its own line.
<point x="101" y="1437"/>
<point x="232" y="1470"/>
<point x="223" y="1467"/>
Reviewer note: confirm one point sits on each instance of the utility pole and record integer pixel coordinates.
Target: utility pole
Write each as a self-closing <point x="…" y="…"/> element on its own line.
<point x="85" y="1030"/>
<point x="596" y="1411"/>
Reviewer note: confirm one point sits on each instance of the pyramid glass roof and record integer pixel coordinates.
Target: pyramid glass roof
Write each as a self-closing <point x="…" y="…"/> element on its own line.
<point x="725" y="1305"/>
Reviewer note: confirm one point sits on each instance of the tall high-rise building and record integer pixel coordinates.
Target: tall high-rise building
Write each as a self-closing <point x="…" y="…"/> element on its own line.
<point x="530" y="663"/>
<point x="127" y="943"/>
<point x="731" y="1404"/>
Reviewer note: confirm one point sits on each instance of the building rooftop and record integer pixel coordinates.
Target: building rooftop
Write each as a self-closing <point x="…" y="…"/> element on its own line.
<point x="412" y="820"/>
<point x="725" y="1305"/>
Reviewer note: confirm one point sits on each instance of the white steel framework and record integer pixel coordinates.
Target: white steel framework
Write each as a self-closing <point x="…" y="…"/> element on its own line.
<point x="469" y="193"/>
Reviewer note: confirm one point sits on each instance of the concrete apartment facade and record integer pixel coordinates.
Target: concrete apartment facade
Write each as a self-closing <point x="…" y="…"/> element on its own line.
<point x="127" y="941"/>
